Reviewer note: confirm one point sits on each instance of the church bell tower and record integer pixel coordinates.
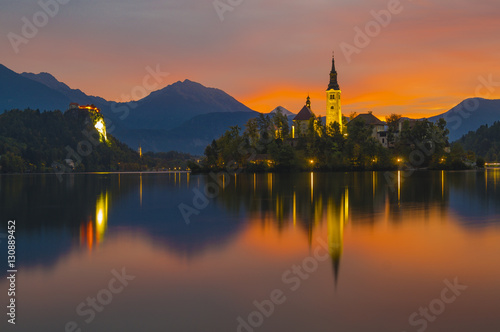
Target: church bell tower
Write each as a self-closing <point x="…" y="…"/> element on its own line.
<point x="333" y="107"/>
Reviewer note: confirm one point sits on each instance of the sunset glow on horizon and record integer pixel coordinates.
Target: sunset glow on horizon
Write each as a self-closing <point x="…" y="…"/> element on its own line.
<point x="419" y="60"/>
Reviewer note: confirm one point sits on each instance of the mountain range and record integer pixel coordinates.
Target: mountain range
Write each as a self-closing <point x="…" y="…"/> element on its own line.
<point x="469" y="115"/>
<point x="184" y="116"/>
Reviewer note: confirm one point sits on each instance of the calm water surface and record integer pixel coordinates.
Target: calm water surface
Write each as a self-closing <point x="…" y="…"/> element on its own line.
<point x="266" y="252"/>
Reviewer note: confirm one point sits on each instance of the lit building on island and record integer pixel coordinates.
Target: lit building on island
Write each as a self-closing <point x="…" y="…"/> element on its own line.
<point x="378" y="128"/>
<point x="301" y="120"/>
<point x="333" y="105"/>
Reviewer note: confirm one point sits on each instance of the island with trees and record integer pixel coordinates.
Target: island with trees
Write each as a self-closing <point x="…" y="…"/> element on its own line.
<point x="270" y="143"/>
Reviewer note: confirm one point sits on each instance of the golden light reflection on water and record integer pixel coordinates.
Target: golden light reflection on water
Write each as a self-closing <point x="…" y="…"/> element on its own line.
<point x="399" y="187"/>
<point x="270" y="182"/>
<point x="294" y="209"/>
<point x="327" y="203"/>
<point x="374" y="182"/>
<point x="140" y="188"/>
<point x="305" y="214"/>
<point x="346" y="204"/>
<point x="442" y="184"/>
<point x="337" y="214"/>
<point x="491" y="176"/>
<point x="92" y="231"/>
<point x="312" y="186"/>
<point x="101" y="216"/>
<point x="389" y="252"/>
<point x="254" y="182"/>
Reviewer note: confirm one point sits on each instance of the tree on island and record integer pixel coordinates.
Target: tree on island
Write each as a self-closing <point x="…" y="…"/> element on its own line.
<point x="392" y="121"/>
<point x="266" y="144"/>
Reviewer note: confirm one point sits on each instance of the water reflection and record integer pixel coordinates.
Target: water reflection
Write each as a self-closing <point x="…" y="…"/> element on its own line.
<point x="285" y="199"/>
<point x="491" y="175"/>
<point x="391" y="239"/>
<point x="337" y="217"/>
<point x="140" y="188"/>
<point x="83" y="207"/>
<point x="312" y="186"/>
<point x="93" y="230"/>
<point x="399" y="188"/>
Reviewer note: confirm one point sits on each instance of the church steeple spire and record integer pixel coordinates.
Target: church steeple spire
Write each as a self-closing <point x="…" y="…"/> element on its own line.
<point x="333" y="105"/>
<point x="333" y="85"/>
<point x="308" y="102"/>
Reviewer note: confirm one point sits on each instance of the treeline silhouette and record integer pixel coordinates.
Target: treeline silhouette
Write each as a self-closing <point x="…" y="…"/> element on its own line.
<point x="34" y="141"/>
<point x="485" y="141"/>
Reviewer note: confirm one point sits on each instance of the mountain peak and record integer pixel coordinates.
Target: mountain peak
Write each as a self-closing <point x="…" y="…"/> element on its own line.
<point x="188" y="84"/>
<point x="178" y="102"/>
<point x="191" y="84"/>
<point x="283" y="110"/>
<point x="47" y="79"/>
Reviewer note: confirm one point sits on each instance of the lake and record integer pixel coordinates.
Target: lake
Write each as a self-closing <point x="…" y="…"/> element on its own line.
<point x="366" y="251"/>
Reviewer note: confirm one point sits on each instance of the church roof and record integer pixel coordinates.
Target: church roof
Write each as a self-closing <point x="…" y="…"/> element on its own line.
<point x="304" y="114"/>
<point x="369" y="119"/>
<point x="334" y="84"/>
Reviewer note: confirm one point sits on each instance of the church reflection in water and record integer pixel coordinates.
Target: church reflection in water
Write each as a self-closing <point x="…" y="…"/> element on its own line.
<point x="305" y="201"/>
<point x="337" y="216"/>
<point x="303" y="207"/>
<point x="322" y="204"/>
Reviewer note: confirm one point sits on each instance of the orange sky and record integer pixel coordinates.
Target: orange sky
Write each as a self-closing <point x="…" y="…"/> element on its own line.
<point x="425" y="59"/>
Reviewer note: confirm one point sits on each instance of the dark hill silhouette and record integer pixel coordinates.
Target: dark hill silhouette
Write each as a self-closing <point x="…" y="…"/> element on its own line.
<point x="75" y="95"/>
<point x="469" y="115"/>
<point x="18" y="92"/>
<point x="171" y="106"/>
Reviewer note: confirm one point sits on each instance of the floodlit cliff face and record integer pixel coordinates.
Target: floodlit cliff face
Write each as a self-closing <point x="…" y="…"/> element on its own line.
<point x="92" y="118"/>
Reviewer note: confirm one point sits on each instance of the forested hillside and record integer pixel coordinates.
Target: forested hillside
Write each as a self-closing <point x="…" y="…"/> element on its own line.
<point x="485" y="142"/>
<point x="34" y="141"/>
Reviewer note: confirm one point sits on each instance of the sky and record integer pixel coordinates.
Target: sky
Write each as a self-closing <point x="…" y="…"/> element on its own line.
<point x="412" y="57"/>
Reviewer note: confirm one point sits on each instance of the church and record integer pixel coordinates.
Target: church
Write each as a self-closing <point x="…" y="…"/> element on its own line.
<point x="333" y="106"/>
<point x="334" y="114"/>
